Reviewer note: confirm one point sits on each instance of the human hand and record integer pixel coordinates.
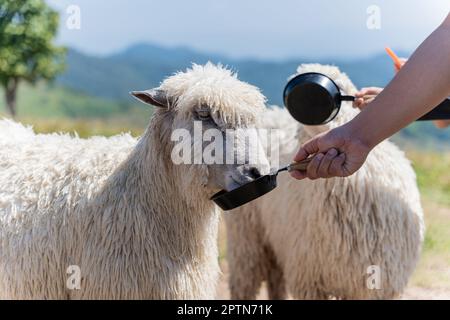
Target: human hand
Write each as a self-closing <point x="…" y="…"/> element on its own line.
<point x="336" y="153"/>
<point x="365" y="96"/>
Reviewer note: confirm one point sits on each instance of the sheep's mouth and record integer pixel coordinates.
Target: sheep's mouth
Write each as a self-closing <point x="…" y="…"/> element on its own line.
<point x="233" y="185"/>
<point x="238" y="183"/>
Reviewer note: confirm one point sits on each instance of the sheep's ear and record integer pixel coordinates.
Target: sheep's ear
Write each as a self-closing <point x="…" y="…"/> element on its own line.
<point x="154" y="97"/>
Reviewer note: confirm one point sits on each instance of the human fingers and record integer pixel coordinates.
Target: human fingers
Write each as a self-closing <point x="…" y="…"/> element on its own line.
<point x="309" y="147"/>
<point x="322" y="171"/>
<point x="372" y="90"/>
<point x="369" y="97"/>
<point x="336" y="168"/>
<point x="368" y="100"/>
<point x="358" y="103"/>
<point x="313" y="166"/>
<point x="297" y="174"/>
<point x="368" y="90"/>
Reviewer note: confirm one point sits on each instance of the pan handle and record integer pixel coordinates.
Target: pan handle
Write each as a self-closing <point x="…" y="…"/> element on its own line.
<point x="347" y="98"/>
<point x="302" y="165"/>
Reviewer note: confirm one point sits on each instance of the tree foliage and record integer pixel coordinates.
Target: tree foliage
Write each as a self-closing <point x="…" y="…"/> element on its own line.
<point x="27" y="52"/>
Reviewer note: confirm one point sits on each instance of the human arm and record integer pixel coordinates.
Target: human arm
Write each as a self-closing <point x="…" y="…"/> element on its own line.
<point x="419" y="86"/>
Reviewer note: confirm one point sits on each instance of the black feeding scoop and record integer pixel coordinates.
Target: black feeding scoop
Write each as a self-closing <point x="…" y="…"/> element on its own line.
<point x="313" y="98"/>
<point x="228" y="200"/>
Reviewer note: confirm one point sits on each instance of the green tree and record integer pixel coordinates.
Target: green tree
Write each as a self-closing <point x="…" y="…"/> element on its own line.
<point x="27" y="52"/>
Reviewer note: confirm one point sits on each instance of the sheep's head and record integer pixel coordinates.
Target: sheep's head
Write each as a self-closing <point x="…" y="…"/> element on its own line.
<point x="205" y="109"/>
<point x="346" y="86"/>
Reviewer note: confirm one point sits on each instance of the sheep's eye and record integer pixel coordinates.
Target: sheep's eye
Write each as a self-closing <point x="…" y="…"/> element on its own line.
<point x="203" y="114"/>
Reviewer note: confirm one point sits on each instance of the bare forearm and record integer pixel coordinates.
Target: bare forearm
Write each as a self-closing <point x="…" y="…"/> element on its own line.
<point x="419" y="86"/>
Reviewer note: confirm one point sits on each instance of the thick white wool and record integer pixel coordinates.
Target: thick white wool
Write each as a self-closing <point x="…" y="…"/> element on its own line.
<point x="317" y="239"/>
<point x="138" y="226"/>
<point x="217" y="87"/>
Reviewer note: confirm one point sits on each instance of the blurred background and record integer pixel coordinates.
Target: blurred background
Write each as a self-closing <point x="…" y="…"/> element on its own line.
<point x="69" y="65"/>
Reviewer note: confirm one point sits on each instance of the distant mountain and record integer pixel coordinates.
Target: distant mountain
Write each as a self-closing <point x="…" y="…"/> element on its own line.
<point x="143" y="66"/>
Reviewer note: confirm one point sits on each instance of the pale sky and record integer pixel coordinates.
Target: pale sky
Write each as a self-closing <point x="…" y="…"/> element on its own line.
<point x="265" y="29"/>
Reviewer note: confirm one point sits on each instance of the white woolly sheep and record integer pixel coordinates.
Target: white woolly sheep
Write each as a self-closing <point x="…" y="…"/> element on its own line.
<point x="136" y="225"/>
<point x="318" y="239"/>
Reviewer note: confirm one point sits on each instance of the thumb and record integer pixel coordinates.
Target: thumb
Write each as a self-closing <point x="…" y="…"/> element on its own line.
<point x="310" y="147"/>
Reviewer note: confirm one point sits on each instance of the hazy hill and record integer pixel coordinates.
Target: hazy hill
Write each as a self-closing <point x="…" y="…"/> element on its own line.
<point x="143" y="66"/>
<point x="96" y="88"/>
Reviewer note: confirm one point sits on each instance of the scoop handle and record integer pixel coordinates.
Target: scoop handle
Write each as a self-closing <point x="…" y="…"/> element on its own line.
<point x="347" y="98"/>
<point x="302" y="165"/>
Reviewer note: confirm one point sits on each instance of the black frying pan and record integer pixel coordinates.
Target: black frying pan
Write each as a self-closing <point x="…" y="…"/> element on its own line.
<point x="313" y="99"/>
<point x="255" y="189"/>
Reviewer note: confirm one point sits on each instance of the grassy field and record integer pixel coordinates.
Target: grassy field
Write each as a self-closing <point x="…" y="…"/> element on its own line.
<point x="85" y="127"/>
<point x="433" y="175"/>
<point x="51" y="108"/>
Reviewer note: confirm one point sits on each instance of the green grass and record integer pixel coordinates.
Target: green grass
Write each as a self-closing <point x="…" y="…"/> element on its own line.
<point x="84" y="127"/>
<point x="433" y="176"/>
<point x="433" y="269"/>
<point x="51" y="108"/>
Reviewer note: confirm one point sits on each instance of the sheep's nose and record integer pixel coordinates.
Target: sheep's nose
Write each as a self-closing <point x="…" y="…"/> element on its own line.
<point x="253" y="173"/>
